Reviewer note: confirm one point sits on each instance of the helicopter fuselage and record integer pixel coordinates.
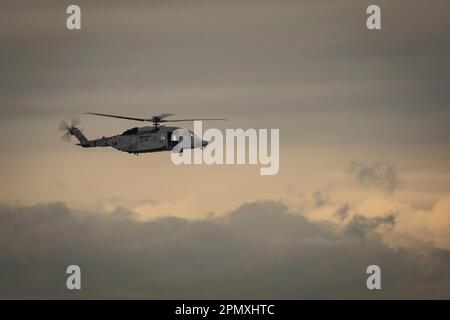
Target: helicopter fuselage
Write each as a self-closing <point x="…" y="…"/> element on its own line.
<point x="143" y="139"/>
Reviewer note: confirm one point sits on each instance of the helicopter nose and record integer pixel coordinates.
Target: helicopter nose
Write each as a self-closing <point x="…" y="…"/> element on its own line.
<point x="204" y="143"/>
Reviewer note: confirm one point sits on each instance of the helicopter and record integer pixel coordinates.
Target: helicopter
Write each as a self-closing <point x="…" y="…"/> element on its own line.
<point x="155" y="138"/>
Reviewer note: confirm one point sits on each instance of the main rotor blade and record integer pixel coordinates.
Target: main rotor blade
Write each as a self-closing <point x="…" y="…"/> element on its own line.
<point x="154" y="118"/>
<point x="183" y="120"/>
<point x="163" y="115"/>
<point x="118" y="117"/>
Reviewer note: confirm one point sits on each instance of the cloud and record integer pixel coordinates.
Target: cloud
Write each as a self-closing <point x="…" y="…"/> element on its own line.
<point x="428" y="225"/>
<point x="361" y="225"/>
<point x="321" y="198"/>
<point x="379" y="174"/>
<point x="342" y="212"/>
<point x="434" y="224"/>
<point x="260" y="250"/>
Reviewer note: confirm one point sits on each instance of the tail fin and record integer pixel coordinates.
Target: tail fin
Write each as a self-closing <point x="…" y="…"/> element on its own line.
<point x="79" y="135"/>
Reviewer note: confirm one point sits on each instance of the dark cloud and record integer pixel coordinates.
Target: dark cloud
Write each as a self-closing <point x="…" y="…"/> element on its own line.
<point x="379" y="174"/>
<point x="320" y="198"/>
<point x="361" y="226"/>
<point x="258" y="251"/>
<point x="343" y="211"/>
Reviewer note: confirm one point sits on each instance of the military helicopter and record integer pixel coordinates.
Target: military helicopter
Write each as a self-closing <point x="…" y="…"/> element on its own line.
<point x="136" y="140"/>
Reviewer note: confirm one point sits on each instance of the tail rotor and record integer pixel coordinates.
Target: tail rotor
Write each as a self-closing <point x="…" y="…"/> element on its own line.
<point x="68" y="129"/>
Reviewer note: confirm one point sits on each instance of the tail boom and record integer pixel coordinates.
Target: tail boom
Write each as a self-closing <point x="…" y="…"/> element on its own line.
<point x="84" y="142"/>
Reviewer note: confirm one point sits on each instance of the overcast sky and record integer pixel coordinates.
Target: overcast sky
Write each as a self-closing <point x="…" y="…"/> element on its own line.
<point x="363" y="118"/>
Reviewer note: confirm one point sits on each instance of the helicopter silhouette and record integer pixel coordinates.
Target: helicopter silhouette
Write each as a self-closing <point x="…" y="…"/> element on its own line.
<point x="155" y="138"/>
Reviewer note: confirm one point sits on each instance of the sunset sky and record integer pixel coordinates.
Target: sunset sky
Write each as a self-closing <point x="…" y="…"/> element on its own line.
<point x="364" y="144"/>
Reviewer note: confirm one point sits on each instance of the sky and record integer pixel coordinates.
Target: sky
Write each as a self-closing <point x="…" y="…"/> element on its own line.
<point x="364" y="149"/>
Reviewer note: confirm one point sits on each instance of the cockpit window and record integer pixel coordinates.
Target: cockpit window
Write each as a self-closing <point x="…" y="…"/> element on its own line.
<point x="130" y="132"/>
<point x="179" y="137"/>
